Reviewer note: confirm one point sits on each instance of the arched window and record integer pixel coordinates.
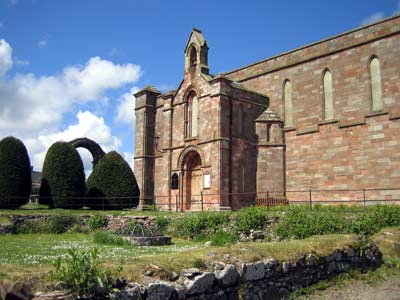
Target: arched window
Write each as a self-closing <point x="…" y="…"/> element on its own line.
<point x="174" y="181"/>
<point x="193" y="56"/>
<point x="376" y="84"/>
<point x="288" y="109"/>
<point x="328" y="96"/>
<point x="191" y="116"/>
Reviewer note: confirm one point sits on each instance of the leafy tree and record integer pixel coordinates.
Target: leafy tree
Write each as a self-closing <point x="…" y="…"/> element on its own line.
<point x="63" y="177"/>
<point x="112" y="184"/>
<point x="15" y="173"/>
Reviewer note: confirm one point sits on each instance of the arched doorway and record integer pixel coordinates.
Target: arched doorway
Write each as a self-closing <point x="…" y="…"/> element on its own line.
<point x="192" y="181"/>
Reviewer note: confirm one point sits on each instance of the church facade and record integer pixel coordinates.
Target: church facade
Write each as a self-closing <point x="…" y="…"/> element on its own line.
<point x="325" y="117"/>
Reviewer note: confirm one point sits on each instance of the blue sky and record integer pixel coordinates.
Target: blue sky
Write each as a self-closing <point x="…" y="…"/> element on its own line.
<point x="68" y="68"/>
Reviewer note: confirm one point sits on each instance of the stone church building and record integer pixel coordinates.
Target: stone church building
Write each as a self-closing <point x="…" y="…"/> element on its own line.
<point x="325" y="117"/>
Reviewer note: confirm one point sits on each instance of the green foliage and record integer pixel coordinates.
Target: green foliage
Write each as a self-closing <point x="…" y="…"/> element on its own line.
<point x="199" y="263"/>
<point x="161" y="223"/>
<point x="80" y="272"/>
<point x="56" y="224"/>
<point x="61" y="223"/>
<point x="299" y="222"/>
<point x="251" y="218"/>
<point x="97" y="221"/>
<point x="15" y="173"/>
<point x="375" y="218"/>
<point x="63" y="177"/>
<point x="112" y="184"/>
<point x="136" y="228"/>
<point x="192" y="226"/>
<point x="108" y="238"/>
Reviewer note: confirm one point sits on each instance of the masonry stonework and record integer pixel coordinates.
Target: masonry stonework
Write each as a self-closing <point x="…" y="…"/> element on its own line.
<point x="225" y="139"/>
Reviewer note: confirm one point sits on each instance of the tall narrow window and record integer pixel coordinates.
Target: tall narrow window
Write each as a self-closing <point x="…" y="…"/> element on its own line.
<point x="376" y="84"/>
<point x="195" y="116"/>
<point x="287" y="94"/>
<point x="191" y="116"/>
<point x="328" y="96"/>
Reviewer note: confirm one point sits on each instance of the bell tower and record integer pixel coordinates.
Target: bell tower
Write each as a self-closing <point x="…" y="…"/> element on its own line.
<point x="196" y="53"/>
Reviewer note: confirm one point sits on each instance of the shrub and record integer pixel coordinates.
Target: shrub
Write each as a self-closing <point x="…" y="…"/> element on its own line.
<point x="81" y="273"/>
<point x="300" y="223"/>
<point x="63" y="177"/>
<point x="61" y="223"/>
<point x="375" y="218"/>
<point x="112" y="184"/>
<point x="108" y="238"/>
<point x="161" y="223"/>
<point x="96" y="222"/>
<point x="15" y="173"/>
<point x="55" y="224"/>
<point x="251" y="218"/>
<point x="201" y="224"/>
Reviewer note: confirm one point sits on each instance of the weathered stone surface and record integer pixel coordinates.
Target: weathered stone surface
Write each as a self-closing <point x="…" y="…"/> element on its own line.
<point x="161" y="291"/>
<point x="254" y="271"/>
<point x="229" y="276"/>
<point x="200" y="284"/>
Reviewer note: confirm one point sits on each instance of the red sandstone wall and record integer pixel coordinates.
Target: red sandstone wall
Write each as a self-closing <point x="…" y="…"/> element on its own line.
<point x="335" y="156"/>
<point x="356" y="157"/>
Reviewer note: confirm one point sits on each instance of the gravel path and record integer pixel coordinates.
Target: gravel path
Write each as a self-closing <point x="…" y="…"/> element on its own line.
<point x="385" y="290"/>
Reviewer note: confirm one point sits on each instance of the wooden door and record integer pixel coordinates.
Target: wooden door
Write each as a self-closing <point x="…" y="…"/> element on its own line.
<point x="196" y="185"/>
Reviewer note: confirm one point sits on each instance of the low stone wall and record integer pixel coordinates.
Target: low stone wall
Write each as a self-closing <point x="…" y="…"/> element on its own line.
<point x="266" y="279"/>
<point x="114" y="223"/>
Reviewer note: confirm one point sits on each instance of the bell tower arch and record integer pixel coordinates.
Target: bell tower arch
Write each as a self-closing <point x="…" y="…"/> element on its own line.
<point x="196" y="53"/>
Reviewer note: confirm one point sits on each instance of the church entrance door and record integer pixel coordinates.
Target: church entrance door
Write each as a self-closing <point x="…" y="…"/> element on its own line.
<point x="194" y="181"/>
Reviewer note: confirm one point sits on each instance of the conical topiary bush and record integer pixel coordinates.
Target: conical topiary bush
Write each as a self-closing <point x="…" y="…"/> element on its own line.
<point x="63" y="177"/>
<point x="112" y="184"/>
<point x="15" y="173"/>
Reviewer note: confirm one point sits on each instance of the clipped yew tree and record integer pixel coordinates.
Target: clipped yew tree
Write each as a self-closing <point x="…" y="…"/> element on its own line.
<point x="15" y="173"/>
<point x="63" y="177"/>
<point x="112" y="184"/>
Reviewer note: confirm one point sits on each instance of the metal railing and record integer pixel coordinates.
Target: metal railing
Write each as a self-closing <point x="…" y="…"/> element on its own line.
<point x="213" y="201"/>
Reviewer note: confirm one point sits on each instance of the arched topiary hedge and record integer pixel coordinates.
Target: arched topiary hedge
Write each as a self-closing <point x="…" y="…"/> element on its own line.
<point x="63" y="177"/>
<point x="112" y="184"/>
<point x="15" y="173"/>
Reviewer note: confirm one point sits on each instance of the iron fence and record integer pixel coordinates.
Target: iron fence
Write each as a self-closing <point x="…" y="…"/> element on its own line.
<point x="212" y="201"/>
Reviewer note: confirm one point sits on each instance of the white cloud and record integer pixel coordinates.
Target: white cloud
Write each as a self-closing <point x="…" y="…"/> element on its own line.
<point x="43" y="43"/>
<point x="373" y="18"/>
<point x="32" y="107"/>
<point x="88" y="125"/>
<point x="126" y="108"/>
<point x="5" y="57"/>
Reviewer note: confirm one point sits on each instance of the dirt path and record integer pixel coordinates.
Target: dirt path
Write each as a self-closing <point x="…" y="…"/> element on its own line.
<point x="383" y="290"/>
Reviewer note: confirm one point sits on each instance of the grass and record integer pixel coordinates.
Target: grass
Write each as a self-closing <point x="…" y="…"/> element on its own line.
<point x="4" y="220"/>
<point x="28" y="256"/>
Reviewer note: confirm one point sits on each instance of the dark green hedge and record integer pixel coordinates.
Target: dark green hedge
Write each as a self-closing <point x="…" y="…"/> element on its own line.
<point x="15" y="173"/>
<point x="63" y="177"/>
<point x="112" y="184"/>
